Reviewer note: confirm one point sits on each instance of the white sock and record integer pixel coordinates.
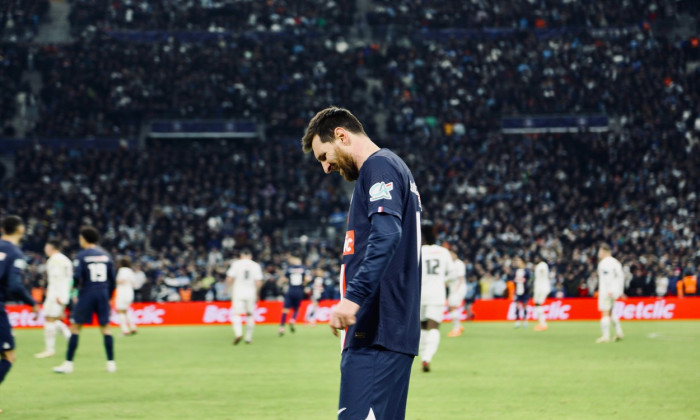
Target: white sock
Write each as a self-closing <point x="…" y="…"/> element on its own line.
<point x="312" y="312"/>
<point x="237" y="325"/>
<point x="432" y="344"/>
<point x="605" y="326"/>
<point x="123" y="323"/>
<point x="422" y="346"/>
<point x="618" y="326"/>
<point x="541" y="316"/>
<point x="130" y="321"/>
<point x="249" y="325"/>
<point x="63" y="328"/>
<point x="456" y="322"/>
<point x="50" y="336"/>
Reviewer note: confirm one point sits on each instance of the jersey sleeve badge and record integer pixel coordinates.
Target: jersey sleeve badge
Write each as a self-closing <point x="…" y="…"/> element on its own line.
<point x="381" y="191"/>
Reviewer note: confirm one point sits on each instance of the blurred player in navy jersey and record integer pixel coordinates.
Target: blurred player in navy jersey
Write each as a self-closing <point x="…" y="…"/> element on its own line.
<point x="522" y="292"/>
<point x="95" y="276"/>
<point x="296" y="276"/>
<point x="12" y="265"/>
<point x="380" y="275"/>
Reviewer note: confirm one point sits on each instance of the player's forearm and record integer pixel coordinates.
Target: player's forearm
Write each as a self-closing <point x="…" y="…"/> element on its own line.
<point x="18" y="290"/>
<point x="384" y="238"/>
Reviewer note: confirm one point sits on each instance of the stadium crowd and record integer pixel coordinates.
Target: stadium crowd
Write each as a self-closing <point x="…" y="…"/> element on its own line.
<point x="523" y="14"/>
<point x="108" y="87"/>
<point x="182" y="211"/>
<point x="210" y="15"/>
<point x="19" y="19"/>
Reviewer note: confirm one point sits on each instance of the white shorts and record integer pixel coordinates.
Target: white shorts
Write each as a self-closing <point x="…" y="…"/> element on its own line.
<point x="540" y="297"/>
<point x="432" y="312"/>
<point x="124" y="299"/>
<point x="456" y="298"/>
<point x="52" y="308"/>
<point x="243" y="306"/>
<point x="606" y="303"/>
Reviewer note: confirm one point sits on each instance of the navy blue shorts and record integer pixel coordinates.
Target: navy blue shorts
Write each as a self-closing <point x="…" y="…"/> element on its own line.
<point x="293" y="299"/>
<point x="373" y="380"/>
<point x="7" y="340"/>
<point x="96" y="302"/>
<point x="522" y="298"/>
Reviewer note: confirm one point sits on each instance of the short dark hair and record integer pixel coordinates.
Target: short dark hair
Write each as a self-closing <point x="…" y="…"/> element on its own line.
<point x="605" y="247"/>
<point x="54" y="243"/>
<point x="124" y="261"/>
<point x="11" y="223"/>
<point x="427" y="231"/>
<point x="325" y="122"/>
<point x="246" y="251"/>
<point x="90" y="234"/>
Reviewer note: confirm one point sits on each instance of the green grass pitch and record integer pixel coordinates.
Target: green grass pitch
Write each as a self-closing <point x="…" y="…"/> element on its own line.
<point x="491" y="372"/>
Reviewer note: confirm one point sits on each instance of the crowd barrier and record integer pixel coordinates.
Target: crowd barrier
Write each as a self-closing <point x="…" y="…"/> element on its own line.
<point x="218" y="313"/>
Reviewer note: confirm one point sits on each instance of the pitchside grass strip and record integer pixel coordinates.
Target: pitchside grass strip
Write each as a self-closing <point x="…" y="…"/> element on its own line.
<point x="491" y="372"/>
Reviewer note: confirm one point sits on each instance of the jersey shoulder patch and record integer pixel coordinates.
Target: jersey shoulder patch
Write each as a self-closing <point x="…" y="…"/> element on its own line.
<point x="381" y="191"/>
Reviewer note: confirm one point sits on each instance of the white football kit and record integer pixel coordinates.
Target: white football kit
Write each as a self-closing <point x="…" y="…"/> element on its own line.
<point x="543" y="287"/>
<point x="125" y="288"/>
<point x="610" y="283"/>
<point x="59" y="269"/>
<point x="436" y="262"/>
<point x="245" y="275"/>
<point x="458" y="285"/>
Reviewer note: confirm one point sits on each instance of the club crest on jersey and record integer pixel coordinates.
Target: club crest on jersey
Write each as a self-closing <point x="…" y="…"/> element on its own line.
<point x="381" y="191"/>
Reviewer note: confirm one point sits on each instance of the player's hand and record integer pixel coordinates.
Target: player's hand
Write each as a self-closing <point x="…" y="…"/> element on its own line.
<point x="59" y="301"/>
<point x="35" y="309"/>
<point x="343" y="315"/>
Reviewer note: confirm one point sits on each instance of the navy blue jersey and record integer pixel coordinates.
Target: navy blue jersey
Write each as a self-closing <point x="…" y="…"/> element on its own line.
<point x="389" y="314"/>
<point x="295" y="275"/>
<point x="522" y="283"/>
<point x="94" y="270"/>
<point x="12" y="266"/>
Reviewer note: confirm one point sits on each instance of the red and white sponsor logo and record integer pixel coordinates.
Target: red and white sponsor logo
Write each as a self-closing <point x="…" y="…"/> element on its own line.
<point x="642" y="310"/>
<point x="269" y="312"/>
<point x="555" y="311"/>
<point x="349" y="243"/>
<point x="24" y="317"/>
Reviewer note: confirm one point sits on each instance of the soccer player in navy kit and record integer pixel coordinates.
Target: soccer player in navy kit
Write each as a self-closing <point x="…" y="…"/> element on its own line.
<point x="297" y="276"/>
<point x="380" y="275"/>
<point x="94" y="275"/>
<point x="12" y="265"/>
<point x="522" y="291"/>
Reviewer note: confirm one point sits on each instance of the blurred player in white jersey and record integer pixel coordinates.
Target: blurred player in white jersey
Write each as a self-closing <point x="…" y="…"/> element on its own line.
<point x="59" y="272"/>
<point x="543" y="287"/>
<point x="458" y="290"/>
<point x="315" y="292"/>
<point x="610" y="288"/>
<point x="436" y="264"/>
<point x="246" y="276"/>
<point x="522" y="292"/>
<point x="126" y="280"/>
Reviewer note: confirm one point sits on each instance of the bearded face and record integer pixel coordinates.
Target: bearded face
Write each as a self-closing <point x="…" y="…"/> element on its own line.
<point x="345" y="165"/>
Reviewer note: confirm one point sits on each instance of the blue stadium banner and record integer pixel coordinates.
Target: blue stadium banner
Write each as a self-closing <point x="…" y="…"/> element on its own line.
<point x="219" y="129"/>
<point x="554" y="124"/>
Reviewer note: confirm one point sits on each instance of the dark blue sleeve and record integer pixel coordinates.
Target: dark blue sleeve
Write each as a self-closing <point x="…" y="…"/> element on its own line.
<point x="77" y="273"/>
<point x="384" y="238"/>
<point x="16" y="287"/>
<point x="111" y="278"/>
